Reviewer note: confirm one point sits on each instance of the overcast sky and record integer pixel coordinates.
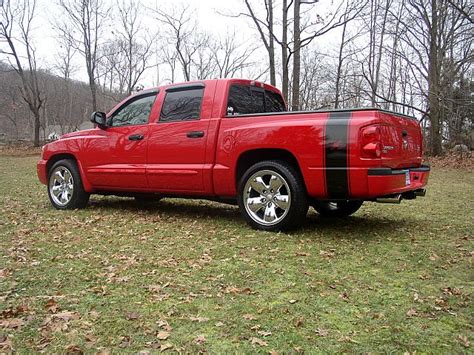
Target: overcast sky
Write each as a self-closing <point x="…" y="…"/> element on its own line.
<point x="208" y="13"/>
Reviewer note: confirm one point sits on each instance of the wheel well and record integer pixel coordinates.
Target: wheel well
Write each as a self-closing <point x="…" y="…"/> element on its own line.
<point x="249" y="158"/>
<point x="58" y="157"/>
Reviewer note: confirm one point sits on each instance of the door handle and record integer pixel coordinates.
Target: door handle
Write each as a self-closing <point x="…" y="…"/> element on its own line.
<point x="195" y="134"/>
<point x="136" y="137"/>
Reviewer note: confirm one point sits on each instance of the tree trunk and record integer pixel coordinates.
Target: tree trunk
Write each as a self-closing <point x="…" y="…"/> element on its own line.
<point x="339" y="67"/>
<point x="284" y="51"/>
<point x="271" y="48"/>
<point x="93" y="88"/>
<point x="37" y="123"/>
<point x="295" y="98"/>
<point x="433" y="84"/>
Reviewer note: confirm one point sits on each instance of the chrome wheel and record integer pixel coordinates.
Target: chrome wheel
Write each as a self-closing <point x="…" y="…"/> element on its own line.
<point x="61" y="186"/>
<point x="267" y="197"/>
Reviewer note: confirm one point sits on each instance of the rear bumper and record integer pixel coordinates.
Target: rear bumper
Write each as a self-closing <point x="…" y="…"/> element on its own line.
<point x="386" y="181"/>
<point x="41" y="171"/>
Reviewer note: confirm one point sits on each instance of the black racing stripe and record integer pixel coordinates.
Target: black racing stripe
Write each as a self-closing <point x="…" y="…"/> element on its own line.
<point x="336" y="151"/>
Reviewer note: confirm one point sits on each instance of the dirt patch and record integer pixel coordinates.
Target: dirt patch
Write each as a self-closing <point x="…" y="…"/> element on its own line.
<point x="452" y="161"/>
<point x="19" y="150"/>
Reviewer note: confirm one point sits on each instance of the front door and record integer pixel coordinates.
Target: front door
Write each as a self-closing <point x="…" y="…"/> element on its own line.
<point x="177" y="143"/>
<point x="119" y="157"/>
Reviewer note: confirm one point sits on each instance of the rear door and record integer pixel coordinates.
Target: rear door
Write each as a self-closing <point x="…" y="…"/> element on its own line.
<point x="177" y="143"/>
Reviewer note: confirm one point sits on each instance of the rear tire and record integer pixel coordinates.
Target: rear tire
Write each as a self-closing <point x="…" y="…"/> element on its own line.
<point x="272" y="196"/>
<point x="337" y="208"/>
<point x="65" y="189"/>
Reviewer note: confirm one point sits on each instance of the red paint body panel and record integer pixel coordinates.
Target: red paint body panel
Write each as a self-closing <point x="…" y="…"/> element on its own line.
<point x="170" y="162"/>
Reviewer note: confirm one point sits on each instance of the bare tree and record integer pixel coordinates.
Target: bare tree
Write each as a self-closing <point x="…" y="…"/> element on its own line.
<point x="305" y="33"/>
<point x="285" y="48"/>
<point x="86" y="19"/>
<point x="182" y="33"/>
<point x="231" y="57"/>
<point x="22" y="54"/>
<point x="136" y="42"/>
<point x="265" y="30"/>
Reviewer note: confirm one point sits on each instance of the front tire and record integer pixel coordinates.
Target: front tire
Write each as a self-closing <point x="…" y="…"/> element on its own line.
<point x="65" y="189"/>
<point x="272" y="196"/>
<point x="337" y="208"/>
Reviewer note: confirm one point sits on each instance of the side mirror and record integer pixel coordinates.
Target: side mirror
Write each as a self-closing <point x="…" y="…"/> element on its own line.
<point x="99" y="118"/>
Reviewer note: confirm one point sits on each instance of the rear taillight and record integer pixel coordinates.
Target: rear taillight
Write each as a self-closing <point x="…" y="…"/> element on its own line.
<point x="371" y="142"/>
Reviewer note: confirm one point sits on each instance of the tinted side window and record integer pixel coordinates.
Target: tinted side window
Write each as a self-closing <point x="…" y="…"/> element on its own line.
<point x="134" y="112"/>
<point x="273" y="102"/>
<point x="247" y="100"/>
<point x="244" y="100"/>
<point x="182" y="105"/>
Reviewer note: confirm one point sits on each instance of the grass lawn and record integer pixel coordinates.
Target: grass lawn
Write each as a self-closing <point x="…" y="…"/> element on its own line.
<point x="192" y="276"/>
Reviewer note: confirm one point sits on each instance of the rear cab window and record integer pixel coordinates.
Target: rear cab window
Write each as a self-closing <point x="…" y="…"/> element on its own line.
<point x="246" y="99"/>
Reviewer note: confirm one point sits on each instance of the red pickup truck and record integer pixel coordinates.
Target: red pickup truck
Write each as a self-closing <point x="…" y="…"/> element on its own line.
<point x="233" y="140"/>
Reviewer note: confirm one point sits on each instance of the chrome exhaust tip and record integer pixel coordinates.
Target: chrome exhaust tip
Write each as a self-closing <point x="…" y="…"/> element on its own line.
<point x="420" y="192"/>
<point x="389" y="199"/>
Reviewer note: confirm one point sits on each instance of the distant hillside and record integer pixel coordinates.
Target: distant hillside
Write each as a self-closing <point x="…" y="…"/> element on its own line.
<point x="67" y="107"/>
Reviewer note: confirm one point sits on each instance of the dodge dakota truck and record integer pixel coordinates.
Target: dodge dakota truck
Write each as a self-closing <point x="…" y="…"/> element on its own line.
<point x="234" y="141"/>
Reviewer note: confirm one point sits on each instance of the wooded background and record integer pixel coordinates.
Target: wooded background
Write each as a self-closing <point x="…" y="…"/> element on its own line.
<point x="414" y="57"/>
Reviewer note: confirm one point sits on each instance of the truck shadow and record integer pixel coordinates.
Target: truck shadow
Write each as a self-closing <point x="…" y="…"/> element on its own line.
<point x="355" y="227"/>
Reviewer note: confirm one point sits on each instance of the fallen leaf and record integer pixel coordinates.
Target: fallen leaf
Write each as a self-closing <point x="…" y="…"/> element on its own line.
<point x="326" y="254"/>
<point x="264" y="333"/>
<point x="163" y="335"/>
<point x="165" y="346"/>
<point x="412" y="312"/>
<point x="434" y="257"/>
<point x="246" y="290"/>
<point x="298" y="322"/>
<point x="132" y="316"/>
<point x="301" y="253"/>
<point x="322" y="332"/>
<point x="346" y="338"/>
<point x="51" y="306"/>
<point x="5" y="343"/>
<point x="249" y="317"/>
<point x="94" y="314"/>
<point x="219" y="324"/>
<point x="66" y="316"/>
<point x="464" y="341"/>
<point x="154" y="288"/>
<point x="11" y="323"/>
<point x="258" y="341"/>
<point x="344" y="296"/>
<point x="164" y="325"/>
<point x="74" y="350"/>
<point x="200" y="339"/>
<point x="90" y="338"/>
<point x="125" y="342"/>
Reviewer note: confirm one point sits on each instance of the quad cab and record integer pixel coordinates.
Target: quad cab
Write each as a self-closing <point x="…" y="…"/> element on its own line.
<point x="233" y="140"/>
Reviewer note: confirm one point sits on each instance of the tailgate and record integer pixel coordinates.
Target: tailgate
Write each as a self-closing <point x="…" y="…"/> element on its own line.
<point x="402" y="141"/>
